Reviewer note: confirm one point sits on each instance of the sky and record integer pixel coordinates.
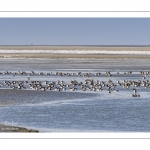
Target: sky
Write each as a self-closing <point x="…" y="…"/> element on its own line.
<point x="74" y="31"/>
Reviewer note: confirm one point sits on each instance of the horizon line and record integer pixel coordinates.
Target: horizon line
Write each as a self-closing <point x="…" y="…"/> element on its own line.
<point x="86" y="45"/>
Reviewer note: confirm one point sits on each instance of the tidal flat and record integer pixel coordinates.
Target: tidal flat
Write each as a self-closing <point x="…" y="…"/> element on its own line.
<point x="75" y="111"/>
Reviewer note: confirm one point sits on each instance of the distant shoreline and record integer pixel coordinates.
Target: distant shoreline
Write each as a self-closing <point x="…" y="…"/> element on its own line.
<point x="74" y="56"/>
<point x="50" y="52"/>
<point x="85" y="45"/>
<point x="29" y="47"/>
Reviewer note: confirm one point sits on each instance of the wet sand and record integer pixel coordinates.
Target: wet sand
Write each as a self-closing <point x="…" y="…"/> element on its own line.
<point x="42" y="64"/>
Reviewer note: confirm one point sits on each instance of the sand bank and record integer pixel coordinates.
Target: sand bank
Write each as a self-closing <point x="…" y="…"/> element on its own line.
<point x="96" y="56"/>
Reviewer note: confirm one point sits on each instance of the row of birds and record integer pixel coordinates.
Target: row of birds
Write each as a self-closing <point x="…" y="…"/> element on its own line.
<point x="73" y="85"/>
<point x="88" y="84"/>
<point x="107" y="73"/>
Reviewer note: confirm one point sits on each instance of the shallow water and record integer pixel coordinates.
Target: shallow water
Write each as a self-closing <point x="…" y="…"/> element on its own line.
<point x="52" y="111"/>
<point x="82" y="115"/>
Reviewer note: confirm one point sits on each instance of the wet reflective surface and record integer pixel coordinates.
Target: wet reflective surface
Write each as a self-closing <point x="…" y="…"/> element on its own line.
<point x="56" y="111"/>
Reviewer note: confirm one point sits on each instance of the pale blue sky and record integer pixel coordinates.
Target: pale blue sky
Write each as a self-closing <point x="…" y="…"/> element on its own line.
<point x="75" y="31"/>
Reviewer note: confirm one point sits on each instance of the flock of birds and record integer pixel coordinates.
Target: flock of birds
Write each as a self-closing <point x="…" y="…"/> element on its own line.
<point x="88" y="84"/>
